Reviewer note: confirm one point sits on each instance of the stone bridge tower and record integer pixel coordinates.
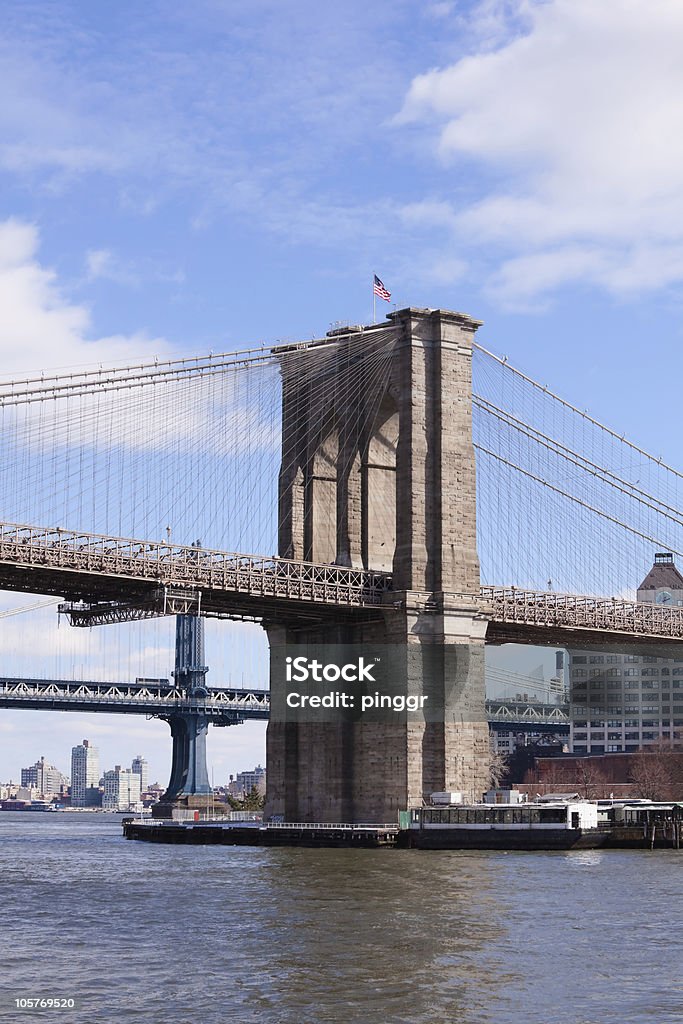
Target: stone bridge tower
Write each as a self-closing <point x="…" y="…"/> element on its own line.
<point x="383" y="478"/>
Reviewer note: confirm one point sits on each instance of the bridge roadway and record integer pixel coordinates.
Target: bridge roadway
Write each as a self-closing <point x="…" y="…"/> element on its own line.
<point x="113" y="579"/>
<point x="152" y="697"/>
<point x="159" y="698"/>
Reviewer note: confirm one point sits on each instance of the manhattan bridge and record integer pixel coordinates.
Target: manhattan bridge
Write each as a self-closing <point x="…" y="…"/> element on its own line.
<point x="393" y="484"/>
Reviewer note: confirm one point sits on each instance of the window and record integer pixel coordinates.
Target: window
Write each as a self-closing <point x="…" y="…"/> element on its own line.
<point x="630" y="671"/>
<point x="650" y="672"/>
<point x="580" y="659"/>
<point x="614" y="684"/>
<point x="649" y="660"/>
<point x="597" y="659"/>
<point x="595" y="673"/>
<point x="579" y="673"/>
<point x="664" y="671"/>
<point x="650" y="684"/>
<point x="613" y="748"/>
<point x="614" y="725"/>
<point x="613" y="735"/>
<point x="630" y="685"/>
<point x="612" y="659"/>
<point x="632" y="736"/>
<point x="633" y="657"/>
<point x="597" y="725"/>
<point x="580" y="736"/>
<point x="598" y="748"/>
<point x="579" y="725"/>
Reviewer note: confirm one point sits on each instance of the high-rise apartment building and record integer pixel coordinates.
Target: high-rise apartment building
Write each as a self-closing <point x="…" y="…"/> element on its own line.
<point x="625" y="702"/>
<point x="44" y="777"/>
<point x="121" y="789"/>
<point x="85" y="775"/>
<point x="141" y="768"/>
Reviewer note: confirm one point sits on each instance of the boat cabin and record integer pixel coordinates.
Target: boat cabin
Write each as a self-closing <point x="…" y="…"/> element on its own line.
<point x="576" y="814"/>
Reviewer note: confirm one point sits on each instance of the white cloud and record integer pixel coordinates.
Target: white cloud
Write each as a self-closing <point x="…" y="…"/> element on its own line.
<point x="39" y="325"/>
<point x="579" y="124"/>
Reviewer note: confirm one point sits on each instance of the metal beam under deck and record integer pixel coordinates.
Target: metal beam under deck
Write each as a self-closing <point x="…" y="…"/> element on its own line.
<point x="577" y="638"/>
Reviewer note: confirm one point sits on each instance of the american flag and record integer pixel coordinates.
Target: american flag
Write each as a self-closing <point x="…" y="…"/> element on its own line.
<point x="380" y="290"/>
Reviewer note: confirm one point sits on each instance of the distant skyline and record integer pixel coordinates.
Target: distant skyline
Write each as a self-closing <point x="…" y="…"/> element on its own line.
<point x="178" y="179"/>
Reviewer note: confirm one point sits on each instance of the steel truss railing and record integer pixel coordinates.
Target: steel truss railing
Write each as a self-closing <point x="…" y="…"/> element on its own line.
<point x="185" y="566"/>
<point x="612" y="614"/>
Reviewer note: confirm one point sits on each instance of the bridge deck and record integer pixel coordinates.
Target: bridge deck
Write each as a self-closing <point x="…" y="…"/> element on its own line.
<point x="160" y="698"/>
<point x="531" y="616"/>
<point x="116" y="578"/>
<point x="94" y="567"/>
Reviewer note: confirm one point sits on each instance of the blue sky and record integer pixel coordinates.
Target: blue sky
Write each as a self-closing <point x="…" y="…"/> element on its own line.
<point x="181" y="178"/>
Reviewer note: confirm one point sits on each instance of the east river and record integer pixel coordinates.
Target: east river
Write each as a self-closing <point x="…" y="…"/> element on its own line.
<point x="138" y="932"/>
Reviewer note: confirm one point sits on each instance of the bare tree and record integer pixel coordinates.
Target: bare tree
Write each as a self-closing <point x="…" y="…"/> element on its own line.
<point x="657" y="772"/>
<point x="590" y="780"/>
<point x="496" y="766"/>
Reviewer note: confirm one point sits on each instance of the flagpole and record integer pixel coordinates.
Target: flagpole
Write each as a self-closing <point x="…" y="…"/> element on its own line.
<point x="374" y="303"/>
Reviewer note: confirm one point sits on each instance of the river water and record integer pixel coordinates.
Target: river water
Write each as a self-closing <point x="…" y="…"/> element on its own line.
<point x="138" y="932"/>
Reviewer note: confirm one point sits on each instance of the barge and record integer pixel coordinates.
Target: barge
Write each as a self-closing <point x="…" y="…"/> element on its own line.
<point x="572" y="824"/>
<point x="226" y="833"/>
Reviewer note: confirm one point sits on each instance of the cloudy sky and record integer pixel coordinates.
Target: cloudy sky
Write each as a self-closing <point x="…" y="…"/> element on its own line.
<point x="177" y="178"/>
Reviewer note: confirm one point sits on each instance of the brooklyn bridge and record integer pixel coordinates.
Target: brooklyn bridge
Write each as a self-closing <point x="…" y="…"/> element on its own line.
<point x="395" y="484"/>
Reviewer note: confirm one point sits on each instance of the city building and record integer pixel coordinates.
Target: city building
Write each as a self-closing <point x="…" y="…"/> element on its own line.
<point x="121" y="790"/>
<point x="85" y="775"/>
<point x="621" y="703"/>
<point x="47" y="780"/>
<point x="141" y="767"/>
<point x="244" y="782"/>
